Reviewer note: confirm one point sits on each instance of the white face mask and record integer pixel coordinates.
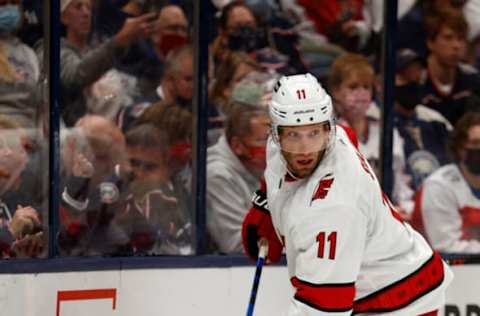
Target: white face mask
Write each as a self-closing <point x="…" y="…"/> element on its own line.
<point x="13" y="159"/>
<point x="354" y="103"/>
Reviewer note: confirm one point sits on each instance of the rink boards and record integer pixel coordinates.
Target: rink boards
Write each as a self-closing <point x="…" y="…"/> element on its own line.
<point x="178" y="292"/>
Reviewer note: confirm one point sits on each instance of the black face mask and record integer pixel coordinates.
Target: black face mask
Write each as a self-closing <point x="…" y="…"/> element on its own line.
<point x="408" y="95"/>
<point x="472" y="160"/>
<point x="245" y="39"/>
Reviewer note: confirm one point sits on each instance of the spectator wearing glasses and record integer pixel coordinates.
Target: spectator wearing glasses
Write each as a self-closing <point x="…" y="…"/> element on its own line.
<point x="176" y="122"/>
<point x="234" y="167"/>
<point x="448" y="204"/>
<point x="154" y="211"/>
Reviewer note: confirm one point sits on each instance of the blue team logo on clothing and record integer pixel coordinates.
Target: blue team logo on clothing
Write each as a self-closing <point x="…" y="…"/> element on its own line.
<point x="109" y="192"/>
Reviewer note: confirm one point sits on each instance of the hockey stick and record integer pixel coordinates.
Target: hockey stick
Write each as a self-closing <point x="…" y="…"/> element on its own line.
<point x="262" y="253"/>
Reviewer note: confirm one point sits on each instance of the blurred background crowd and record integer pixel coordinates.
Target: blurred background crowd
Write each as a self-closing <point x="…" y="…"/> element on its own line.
<point x="126" y="100"/>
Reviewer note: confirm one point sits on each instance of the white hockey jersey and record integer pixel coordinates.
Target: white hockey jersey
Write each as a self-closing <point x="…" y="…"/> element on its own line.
<point x="347" y="251"/>
<point x="450" y="212"/>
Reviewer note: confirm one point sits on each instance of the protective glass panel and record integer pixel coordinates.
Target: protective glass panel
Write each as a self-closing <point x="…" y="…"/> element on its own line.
<point x="126" y="102"/>
<point x="23" y="133"/>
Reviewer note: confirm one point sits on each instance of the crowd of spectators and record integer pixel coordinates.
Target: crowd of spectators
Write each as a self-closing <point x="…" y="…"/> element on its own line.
<point x="127" y="94"/>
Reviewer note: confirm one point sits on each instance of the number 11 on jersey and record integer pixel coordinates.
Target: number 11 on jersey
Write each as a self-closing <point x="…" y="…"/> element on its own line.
<point x="332" y="244"/>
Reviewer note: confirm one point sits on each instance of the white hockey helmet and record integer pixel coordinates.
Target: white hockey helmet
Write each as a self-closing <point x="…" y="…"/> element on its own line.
<point x="300" y="100"/>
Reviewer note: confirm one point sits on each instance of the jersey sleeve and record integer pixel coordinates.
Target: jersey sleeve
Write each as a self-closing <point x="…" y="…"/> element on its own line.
<point x="442" y="221"/>
<point x="327" y="264"/>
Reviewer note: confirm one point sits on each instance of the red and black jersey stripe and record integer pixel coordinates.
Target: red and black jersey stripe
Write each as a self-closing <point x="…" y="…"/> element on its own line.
<point x="405" y="291"/>
<point x="330" y="298"/>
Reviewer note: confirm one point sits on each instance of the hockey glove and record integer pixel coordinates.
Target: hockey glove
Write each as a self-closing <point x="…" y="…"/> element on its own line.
<point x="257" y="225"/>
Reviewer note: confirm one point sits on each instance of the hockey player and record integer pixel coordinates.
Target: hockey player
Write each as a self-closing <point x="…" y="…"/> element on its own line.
<point x="347" y="249"/>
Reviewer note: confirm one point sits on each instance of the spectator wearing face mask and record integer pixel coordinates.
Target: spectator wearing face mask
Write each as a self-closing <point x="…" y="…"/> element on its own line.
<point x="231" y="71"/>
<point x="448" y="204"/>
<point x="351" y="85"/>
<point x="424" y="131"/>
<point x="19" y="68"/>
<point x="239" y="30"/>
<point x="146" y="59"/>
<point x="234" y="167"/>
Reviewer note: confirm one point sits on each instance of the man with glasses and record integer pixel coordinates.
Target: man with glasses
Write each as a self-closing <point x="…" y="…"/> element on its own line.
<point x="154" y="211"/>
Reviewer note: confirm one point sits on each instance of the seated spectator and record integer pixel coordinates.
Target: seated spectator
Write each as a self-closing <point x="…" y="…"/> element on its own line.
<point x="448" y="204"/>
<point x="423" y="130"/>
<point x="21" y="232"/>
<point x="411" y="32"/>
<point x="176" y="86"/>
<point x="351" y="85"/>
<point x="19" y="68"/>
<point x="176" y="122"/>
<point x="448" y="83"/>
<point x="153" y="200"/>
<point x="239" y="30"/>
<point x="80" y="64"/>
<point x="234" y="167"/>
<point x="145" y="59"/>
<point x="255" y="86"/>
<point x="172" y="30"/>
<point x="94" y="181"/>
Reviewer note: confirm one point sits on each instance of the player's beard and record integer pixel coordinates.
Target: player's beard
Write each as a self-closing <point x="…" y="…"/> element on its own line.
<point x="303" y="165"/>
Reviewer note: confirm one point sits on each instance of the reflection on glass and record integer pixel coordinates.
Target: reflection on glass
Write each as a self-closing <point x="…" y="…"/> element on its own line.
<point x="126" y="146"/>
<point x="23" y="142"/>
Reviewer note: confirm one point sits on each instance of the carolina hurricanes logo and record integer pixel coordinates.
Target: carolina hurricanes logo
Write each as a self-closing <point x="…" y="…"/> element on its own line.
<point x="323" y="188"/>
